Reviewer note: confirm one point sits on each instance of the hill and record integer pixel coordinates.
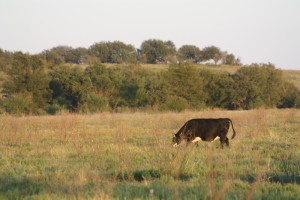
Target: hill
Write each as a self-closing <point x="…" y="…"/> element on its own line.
<point x="291" y="75"/>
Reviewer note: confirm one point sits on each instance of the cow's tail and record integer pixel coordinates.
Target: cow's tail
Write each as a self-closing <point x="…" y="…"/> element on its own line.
<point x="232" y="129"/>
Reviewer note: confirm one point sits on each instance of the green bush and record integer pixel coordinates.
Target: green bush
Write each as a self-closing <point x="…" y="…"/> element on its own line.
<point x="175" y="103"/>
<point x="52" y="109"/>
<point x="95" y="103"/>
<point x="19" y="104"/>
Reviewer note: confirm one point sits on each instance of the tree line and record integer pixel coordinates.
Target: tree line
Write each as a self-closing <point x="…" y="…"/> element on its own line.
<point x="32" y="85"/>
<point x="151" y="51"/>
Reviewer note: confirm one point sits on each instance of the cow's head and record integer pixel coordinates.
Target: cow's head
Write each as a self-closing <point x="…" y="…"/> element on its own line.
<point x="176" y="140"/>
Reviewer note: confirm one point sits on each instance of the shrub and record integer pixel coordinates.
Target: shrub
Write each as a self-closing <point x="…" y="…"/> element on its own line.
<point x="52" y="109"/>
<point x="95" y="103"/>
<point x="175" y="103"/>
<point x="19" y="104"/>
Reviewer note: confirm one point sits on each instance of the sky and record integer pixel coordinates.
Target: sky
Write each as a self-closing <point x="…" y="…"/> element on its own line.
<point x="256" y="31"/>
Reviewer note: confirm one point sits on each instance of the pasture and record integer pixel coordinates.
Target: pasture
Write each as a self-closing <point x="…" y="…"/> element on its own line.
<point x="130" y="156"/>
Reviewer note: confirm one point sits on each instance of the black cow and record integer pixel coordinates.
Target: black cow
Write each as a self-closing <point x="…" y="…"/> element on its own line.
<point x="204" y="129"/>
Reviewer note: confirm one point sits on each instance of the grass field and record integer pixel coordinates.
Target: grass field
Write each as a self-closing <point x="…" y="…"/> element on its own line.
<point x="129" y="156"/>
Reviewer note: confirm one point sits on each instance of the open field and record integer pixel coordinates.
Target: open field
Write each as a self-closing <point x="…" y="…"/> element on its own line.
<point x="129" y="156"/>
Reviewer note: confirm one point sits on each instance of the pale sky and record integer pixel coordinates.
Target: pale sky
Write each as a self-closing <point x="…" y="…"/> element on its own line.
<point x="255" y="30"/>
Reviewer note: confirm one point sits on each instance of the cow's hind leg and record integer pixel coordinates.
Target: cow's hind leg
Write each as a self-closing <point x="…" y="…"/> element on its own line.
<point x="224" y="141"/>
<point x="227" y="141"/>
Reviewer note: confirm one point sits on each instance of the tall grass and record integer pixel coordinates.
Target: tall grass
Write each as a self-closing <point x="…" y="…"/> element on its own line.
<point x="130" y="156"/>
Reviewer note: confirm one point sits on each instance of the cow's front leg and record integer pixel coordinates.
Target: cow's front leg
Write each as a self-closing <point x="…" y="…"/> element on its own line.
<point x="222" y="144"/>
<point x="196" y="140"/>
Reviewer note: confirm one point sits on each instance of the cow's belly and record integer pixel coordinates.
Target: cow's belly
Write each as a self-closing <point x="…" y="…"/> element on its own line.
<point x="208" y="139"/>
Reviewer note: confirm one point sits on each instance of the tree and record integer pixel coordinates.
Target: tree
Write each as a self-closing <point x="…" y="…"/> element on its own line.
<point x="272" y="81"/>
<point x="70" y="84"/>
<point x="62" y="54"/>
<point x="100" y="50"/>
<point x="211" y="52"/>
<point x="228" y="59"/>
<point x="122" y="53"/>
<point x="133" y="91"/>
<point x="217" y="86"/>
<point x="189" y="52"/>
<point x="19" y="104"/>
<point x="113" y="52"/>
<point x="6" y="59"/>
<point x="290" y="96"/>
<point x="99" y="77"/>
<point x="27" y="77"/>
<point x="183" y="80"/>
<point x="171" y="51"/>
<point x="157" y="51"/>
<point x="52" y="58"/>
<point x="255" y="86"/>
<point x="156" y="89"/>
<point x="95" y="103"/>
<point x="76" y="56"/>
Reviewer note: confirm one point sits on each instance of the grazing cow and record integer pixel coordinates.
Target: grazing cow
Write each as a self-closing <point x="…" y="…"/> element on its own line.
<point x="209" y="130"/>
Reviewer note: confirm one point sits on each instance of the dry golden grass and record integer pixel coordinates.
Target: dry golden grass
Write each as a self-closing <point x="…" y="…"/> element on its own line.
<point x="104" y="156"/>
<point x="161" y="67"/>
<point x="293" y="76"/>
